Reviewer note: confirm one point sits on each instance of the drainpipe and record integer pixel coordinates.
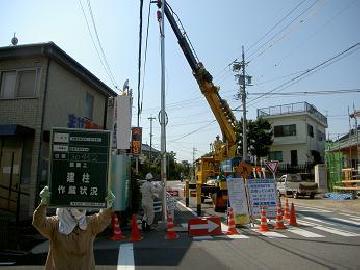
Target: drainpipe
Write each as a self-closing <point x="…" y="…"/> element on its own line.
<point x="38" y="176"/>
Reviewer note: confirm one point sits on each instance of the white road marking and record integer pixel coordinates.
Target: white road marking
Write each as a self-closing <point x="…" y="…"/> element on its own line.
<point x="347" y="221"/>
<point x="183" y="205"/>
<point x="304" y="233"/>
<point x="126" y="257"/>
<point x="314" y="209"/>
<point x="205" y="237"/>
<point x="327" y="222"/>
<point x="6" y="263"/>
<point x="270" y="234"/>
<point x="235" y="236"/>
<point x="328" y="229"/>
<point x="356" y="218"/>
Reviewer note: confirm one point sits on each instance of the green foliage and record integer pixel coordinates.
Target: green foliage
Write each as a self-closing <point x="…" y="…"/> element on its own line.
<point x="259" y="136"/>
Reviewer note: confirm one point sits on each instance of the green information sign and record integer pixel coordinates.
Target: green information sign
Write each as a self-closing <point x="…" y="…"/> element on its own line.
<point x="79" y="167"/>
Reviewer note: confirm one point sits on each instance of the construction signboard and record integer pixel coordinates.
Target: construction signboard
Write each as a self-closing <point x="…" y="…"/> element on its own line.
<point x="79" y="167"/>
<point x="262" y="193"/>
<point x="238" y="200"/>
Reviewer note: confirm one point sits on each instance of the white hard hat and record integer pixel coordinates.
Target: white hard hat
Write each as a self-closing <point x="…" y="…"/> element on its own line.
<point x="148" y="176"/>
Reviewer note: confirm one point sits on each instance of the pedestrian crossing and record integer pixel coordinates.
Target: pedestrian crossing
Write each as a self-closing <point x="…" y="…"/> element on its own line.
<point x="308" y="228"/>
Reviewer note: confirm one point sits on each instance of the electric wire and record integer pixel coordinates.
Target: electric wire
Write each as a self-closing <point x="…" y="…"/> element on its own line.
<point x="93" y="41"/>
<point x="297" y="78"/>
<point x="100" y="46"/>
<point x="281" y="31"/>
<point x="145" y="57"/>
<point x="275" y="25"/>
<point x="324" y="92"/>
<point x="139" y="63"/>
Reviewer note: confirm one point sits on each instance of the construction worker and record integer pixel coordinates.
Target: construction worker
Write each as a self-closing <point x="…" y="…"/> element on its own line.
<point x="149" y="192"/>
<point x="71" y="233"/>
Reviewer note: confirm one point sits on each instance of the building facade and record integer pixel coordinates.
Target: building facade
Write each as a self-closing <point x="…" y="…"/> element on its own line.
<point x="41" y="87"/>
<point x="298" y="133"/>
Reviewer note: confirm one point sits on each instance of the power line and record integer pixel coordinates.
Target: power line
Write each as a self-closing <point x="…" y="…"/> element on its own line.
<point x="297" y="78"/>
<point x="324" y="92"/>
<point x="93" y="41"/>
<point x="193" y="131"/>
<point x="100" y="46"/>
<point x="275" y="25"/>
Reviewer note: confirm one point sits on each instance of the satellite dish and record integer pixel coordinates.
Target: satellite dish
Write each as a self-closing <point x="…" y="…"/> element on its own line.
<point x="14" y="40"/>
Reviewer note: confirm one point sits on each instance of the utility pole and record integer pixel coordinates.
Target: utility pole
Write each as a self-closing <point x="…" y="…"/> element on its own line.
<point x="162" y="115"/>
<point x="241" y="78"/>
<point x="151" y="119"/>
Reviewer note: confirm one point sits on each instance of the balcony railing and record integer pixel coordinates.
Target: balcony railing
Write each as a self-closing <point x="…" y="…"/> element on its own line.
<point x="292" y="108"/>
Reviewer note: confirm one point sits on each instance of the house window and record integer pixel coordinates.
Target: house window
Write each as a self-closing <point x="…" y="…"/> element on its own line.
<point x="8" y="82"/>
<point x="320" y="135"/>
<point x="276" y="155"/>
<point x="89" y="106"/>
<point x="310" y="130"/>
<point x="26" y="83"/>
<point x="20" y="83"/>
<point x="285" y="130"/>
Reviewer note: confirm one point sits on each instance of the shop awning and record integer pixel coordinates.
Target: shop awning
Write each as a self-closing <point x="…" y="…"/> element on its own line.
<point x="15" y="130"/>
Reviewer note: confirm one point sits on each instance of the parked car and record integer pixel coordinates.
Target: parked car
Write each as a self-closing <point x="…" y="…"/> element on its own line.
<point x="293" y="185"/>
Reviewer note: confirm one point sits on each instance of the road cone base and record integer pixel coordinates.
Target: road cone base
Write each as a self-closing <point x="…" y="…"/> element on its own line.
<point x="171" y="237"/>
<point x="264" y="228"/>
<point x="232" y="232"/>
<point x="293" y="224"/>
<point x="280" y="226"/>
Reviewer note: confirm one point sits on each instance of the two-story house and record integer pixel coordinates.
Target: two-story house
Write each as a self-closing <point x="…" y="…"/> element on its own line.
<point x="41" y="87"/>
<point x="299" y="134"/>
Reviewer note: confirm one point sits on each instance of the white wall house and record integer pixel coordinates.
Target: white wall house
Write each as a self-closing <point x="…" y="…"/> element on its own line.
<point x="298" y="133"/>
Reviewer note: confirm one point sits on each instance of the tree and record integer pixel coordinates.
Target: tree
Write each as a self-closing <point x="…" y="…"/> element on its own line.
<point x="259" y="137"/>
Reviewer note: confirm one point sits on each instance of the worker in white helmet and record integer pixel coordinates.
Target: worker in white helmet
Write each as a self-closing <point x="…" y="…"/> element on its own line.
<point x="148" y="192"/>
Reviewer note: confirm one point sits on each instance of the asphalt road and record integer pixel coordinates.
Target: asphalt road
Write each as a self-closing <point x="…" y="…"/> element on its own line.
<point x="328" y="237"/>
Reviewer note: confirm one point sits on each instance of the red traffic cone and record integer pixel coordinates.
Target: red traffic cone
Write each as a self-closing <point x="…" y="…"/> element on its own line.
<point x="135" y="232"/>
<point x="279" y="225"/>
<point x="117" y="234"/>
<point x="170" y="233"/>
<point x="292" y="220"/>
<point x="263" y="225"/>
<point x="286" y="213"/>
<point x="231" y="223"/>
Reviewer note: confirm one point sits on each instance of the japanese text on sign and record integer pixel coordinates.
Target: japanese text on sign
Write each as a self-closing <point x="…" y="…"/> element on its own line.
<point x="79" y="167"/>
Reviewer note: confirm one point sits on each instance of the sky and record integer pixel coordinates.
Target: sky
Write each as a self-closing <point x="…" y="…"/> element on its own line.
<point x="282" y="39"/>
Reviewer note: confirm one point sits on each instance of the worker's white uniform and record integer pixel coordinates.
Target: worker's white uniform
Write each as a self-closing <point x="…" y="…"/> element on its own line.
<point x="148" y="191"/>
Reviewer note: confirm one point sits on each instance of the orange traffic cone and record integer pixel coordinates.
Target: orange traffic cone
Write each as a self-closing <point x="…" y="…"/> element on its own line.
<point x="170" y="233"/>
<point x="279" y="225"/>
<point x="135" y="232"/>
<point x="292" y="220"/>
<point x="263" y="225"/>
<point x="287" y="213"/>
<point x="231" y="223"/>
<point x="117" y="234"/>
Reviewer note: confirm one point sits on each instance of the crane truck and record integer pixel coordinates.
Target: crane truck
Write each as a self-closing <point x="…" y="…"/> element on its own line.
<point x="208" y="167"/>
